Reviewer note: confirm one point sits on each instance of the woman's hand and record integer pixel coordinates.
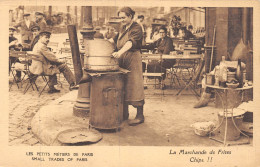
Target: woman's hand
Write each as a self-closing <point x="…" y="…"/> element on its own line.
<point x="116" y="54"/>
<point x="124" y="49"/>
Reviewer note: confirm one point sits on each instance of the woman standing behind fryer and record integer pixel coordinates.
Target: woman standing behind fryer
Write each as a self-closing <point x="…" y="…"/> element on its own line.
<point x="128" y="45"/>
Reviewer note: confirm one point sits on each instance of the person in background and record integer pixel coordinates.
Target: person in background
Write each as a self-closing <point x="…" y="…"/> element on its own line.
<point x="156" y="34"/>
<point x="128" y="46"/>
<point x="98" y="34"/>
<point x="40" y="21"/>
<point x="49" y="64"/>
<point x="188" y="33"/>
<point x="190" y="28"/>
<point x="13" y="45"/>
<point x="164" y="45"/>
<point x="59" y="18"/>
<point x="181" y="33"/>
<point x="25" y="25"/>
<point x="13" y="42"/>
<point x="110" y="33"/>
<point x="36" y="31"/>
<point x="140" y="21"/>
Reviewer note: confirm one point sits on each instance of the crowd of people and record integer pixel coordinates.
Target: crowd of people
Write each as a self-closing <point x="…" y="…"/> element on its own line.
<point x="56" y="19"/>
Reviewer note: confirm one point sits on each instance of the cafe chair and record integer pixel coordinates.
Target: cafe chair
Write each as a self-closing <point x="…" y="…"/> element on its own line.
<point x="32" y="78"/>
<point x="67" y="43"/>
<point x="20" y="64"/>
<point x="182" y="70"/>
<point x="193" y="81"/>
<point x="152" y="74"/>
<point x="31" y="83"/>
<point x="66" y="56"/>
<point x="172" y="74"/>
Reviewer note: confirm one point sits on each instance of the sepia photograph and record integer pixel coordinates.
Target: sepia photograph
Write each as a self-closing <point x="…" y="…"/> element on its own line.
<point x="174" y="80"/>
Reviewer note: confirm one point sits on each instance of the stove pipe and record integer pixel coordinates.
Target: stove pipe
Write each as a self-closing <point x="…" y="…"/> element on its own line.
<point x="82" y="105"/>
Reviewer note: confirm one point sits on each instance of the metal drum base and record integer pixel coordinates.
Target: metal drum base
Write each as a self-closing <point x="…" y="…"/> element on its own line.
<point x="106" y="101"/>
<point x="116" y="128"/>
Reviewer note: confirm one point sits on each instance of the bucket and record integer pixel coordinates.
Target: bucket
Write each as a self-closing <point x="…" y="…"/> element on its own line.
<point x="99" y="56"/>
<point x="106" y="101"/>
<point x="101" y="63"/>
<point x="232" y="132"/>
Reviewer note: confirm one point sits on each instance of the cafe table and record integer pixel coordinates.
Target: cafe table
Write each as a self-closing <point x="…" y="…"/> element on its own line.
<point x="180" y="65"/>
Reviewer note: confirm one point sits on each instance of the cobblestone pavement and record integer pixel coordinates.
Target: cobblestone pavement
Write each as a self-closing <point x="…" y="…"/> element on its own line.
<point x="22" y="108"/>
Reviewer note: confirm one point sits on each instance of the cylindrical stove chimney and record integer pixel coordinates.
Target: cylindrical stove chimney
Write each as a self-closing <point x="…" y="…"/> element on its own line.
<point x="82" y="105"/>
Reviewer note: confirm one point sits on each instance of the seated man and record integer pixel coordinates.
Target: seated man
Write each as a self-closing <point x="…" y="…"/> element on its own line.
<point x="13" y="45"/>
<point x="187" y="33"/>
<point x="48" y="63"/>
<point x="164" y="45"/>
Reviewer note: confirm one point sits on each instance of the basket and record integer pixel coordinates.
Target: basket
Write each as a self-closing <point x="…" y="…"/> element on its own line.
<point x="203" y="128"/>
<point x="201" y="132"/>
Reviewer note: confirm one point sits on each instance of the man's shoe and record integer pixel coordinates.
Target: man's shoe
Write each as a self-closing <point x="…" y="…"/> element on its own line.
<point x="136" y="121"/>
<point x="73" y="87"/>
<point x="53" y="91"/>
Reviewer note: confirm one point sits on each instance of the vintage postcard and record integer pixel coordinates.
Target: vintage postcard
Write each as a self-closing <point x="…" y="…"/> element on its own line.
<point x="129" y="83"/>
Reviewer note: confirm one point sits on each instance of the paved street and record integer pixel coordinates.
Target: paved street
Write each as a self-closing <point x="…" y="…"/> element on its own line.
<point x="22" y="108"/>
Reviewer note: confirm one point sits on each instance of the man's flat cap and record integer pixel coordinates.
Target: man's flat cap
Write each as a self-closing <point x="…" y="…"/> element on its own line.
<point x="12" y="28"/>
<point x="26" y="14"/>
<point x="45" y="32"/>
<point x="39" y="13"/>
<point x="35" y="27"/>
